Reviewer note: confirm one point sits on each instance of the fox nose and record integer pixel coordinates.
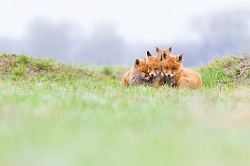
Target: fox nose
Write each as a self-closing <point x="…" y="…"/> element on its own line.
<point x="168" y="75"/>
<point x="152" y="75"/>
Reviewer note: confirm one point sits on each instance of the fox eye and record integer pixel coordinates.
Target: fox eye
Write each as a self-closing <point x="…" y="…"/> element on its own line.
<point x="173" y="68"/>
<point x="156" y="68"/>
<point x="166" y="67"/>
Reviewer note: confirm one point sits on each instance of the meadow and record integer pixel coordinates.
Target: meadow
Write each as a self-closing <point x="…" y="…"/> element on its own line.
<point x="56" y="114"/>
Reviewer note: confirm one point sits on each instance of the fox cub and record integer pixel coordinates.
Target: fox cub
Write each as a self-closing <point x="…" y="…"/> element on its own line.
<point x="137" y="75"/>
<point x="154" y="69"/>
<point x="178" y="75"/>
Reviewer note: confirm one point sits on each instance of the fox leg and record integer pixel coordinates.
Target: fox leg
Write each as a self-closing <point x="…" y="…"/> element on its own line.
<point x="159" y="82"/>
<point x="125" y="82"/>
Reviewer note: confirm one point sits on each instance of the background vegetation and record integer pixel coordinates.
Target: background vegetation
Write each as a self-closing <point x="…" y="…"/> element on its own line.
<point x="216" y="33"/>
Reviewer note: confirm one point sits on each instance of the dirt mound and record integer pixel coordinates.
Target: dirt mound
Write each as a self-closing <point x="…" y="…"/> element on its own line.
<point x="240" y="69"/>
<point x="22" y="66"/>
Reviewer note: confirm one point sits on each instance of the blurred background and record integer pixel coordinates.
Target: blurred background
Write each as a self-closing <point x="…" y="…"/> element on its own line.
<point x="112" y="32"/>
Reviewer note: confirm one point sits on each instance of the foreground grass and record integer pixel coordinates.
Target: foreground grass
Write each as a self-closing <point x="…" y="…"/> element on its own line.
<point x="91" y="121"/>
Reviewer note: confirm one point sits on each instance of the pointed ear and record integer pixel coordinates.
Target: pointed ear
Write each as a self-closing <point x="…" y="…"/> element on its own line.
<point x="148" y="54"/>
<point x="158" y="50"/>
<point x="169" y="50"/>
<point x="179" y="58"/>
<point x="137" y="62"/>
<point x="159" y="56"/>
<point x="165" y="55"/>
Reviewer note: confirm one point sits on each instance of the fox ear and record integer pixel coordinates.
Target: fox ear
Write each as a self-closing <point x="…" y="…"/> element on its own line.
<point x="137" y="62"/>
<point x="179" y="58"/>
<point x="159" y="56"/>
<point x="158" y="50"/>
<point x="169" y="50"/>
<point x="165" y="55"/>
<point x="148" y="54"/>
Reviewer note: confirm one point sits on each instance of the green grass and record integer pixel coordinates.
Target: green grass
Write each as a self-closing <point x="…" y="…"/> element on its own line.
<point x="109" y="71"/>
<point x="248" y="74"/>
<point x="212" y="74"/>
<point x="88" y="118"/>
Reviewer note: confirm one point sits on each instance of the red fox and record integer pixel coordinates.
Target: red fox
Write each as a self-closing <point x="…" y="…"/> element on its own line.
<point x="138" y="74"/>
<point x="178" y="75"/>
<point x="160" y="52"/>
<point x="154" y="69"/>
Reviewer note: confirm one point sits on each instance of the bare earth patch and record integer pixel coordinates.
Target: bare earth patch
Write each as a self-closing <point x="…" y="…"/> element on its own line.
<point x="240" y="70"/>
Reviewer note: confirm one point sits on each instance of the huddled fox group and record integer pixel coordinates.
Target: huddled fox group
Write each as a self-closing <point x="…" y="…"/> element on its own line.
<point x="164" y="68"/>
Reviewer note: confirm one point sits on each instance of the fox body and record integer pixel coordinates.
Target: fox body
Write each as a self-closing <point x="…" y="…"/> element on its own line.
<point x="137" y="75"/>
<point x="176" y="74"/>
<point x="154" y="69"/>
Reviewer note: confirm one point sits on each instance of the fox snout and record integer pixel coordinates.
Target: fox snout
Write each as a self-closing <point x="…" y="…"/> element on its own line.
<point x="169" y="75"/>
<point x="152" y="74"/>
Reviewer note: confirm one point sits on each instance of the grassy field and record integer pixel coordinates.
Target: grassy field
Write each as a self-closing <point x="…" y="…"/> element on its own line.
<point x="56" y="114"/>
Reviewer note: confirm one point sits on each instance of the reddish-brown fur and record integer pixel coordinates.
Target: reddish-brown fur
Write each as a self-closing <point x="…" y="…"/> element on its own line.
<point x="182" y="77"/>
<point x="154" y="69"/>
<point x="138" y="74"/>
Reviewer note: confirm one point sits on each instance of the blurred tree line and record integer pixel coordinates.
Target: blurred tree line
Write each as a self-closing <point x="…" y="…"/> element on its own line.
<point x="220" y="33"/>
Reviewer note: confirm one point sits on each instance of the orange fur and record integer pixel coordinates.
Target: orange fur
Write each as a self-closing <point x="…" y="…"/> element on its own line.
<point x="162" y="55"/>
<point x="138" y="74"/>
<point x="154" y="69"/>
<point x="177" y="74"/>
